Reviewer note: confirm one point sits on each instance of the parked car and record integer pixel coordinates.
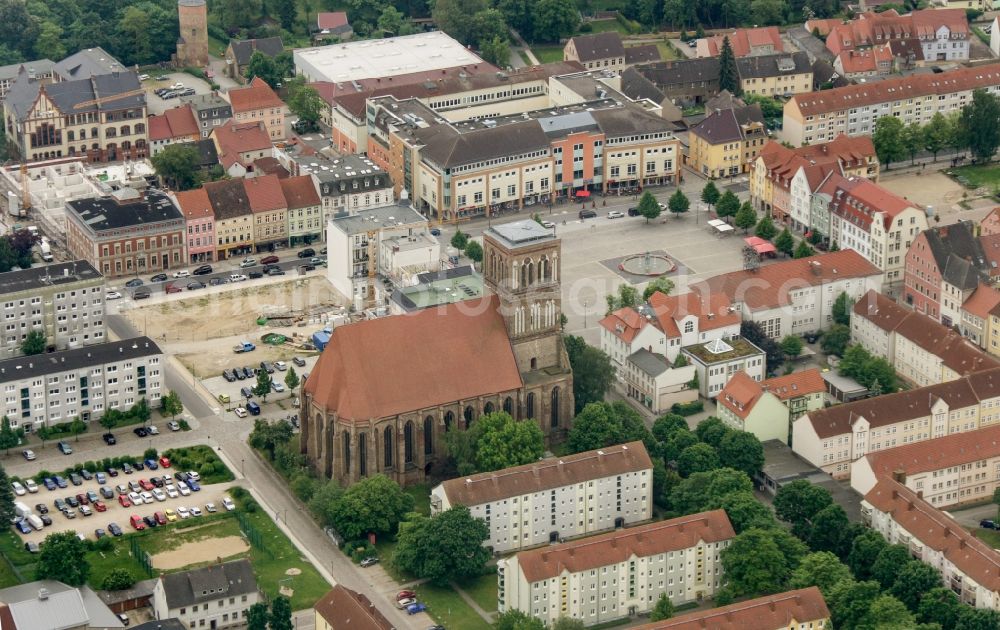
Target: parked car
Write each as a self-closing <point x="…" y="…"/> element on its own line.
<point x="173" y="425"/>
<point x="127" y="468"/>
<point x="112" y="472"/>
<point x="85" y="510"/>
<point x="281" y="366"/>
<point x="149" y="521"/>
<point x="115" y="529"/>
<point x="19" y="489"/>
<point x="112" y="295"/>
<point x="228" y="504"/>
<point x="588" y="214"/>
<point x="210" y="508"/>
<point x="405" y="595"/>
<point x="100" y="478"/>
<point x="161" y="518"/>
<point x="41" y="508"/>
<point x="240" y="412"/>
<point x="172" y="288"/>
<point x="194" y="286"/>
<point x="151" y="464"/>
<point x="987" y="524"/>
<point x="75" y="479"/>
<point x="152" y="430"/>
<point x="46" y="519"/>
<point x="246" y="392"/>
<point x="49" y="483"/>
<point x="268" y="260"/>
<point x="99" y="533"/>
<point x="164" y="461"/>
<point x="86" y="474"/>
<point x="28" y="454"/>
<point x="194" y="485"/>
<point x="136" y="522"/>
<point x="100" y="506"/>
<point x="276" y="272"/>
<point x="248" y="262"/>
<point x="72" y="502"/>
<point x="30" y="485"/>
<point x="214" y="282"/>
<point x="31" y="546"/>
<point x="107" y="492"/>
<point x="146" y="484"/>
<point x="159" y="494"/>
<point x="170" y="514"/>
<point x="307" y="253"/>
<point x="413" y="609"/>
<point x="369" y="561"/>
<point x="277" y="386"/>
<point x="140" y="432"/>
<point x="60" y="481"/>
<point x="182" y="273"/>
<point x="133" y="283"/>
<point x="267" y="366"/>
<point x="202" y="270"/>
<point x="299" y="361"/>
<point x="616" y="214"/>
<point x="253" y="408"/>
<point x="109" y="439"/>
<point x="22" y="526"/>
<point x="92" y="496"/>
<point x="65" y="448"/>
<point x="255" y="274"/>
<point x="160" y="277"/>
<point x="406" y="601"/>
<point x="183" y="512"/>
<point x="195" y="511"/>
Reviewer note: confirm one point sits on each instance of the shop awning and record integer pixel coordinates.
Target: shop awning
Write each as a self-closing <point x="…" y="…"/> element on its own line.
<point x="583" y="193"/>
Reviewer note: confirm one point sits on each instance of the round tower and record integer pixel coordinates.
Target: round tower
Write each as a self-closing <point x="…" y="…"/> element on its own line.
<point x="192" y="44"/>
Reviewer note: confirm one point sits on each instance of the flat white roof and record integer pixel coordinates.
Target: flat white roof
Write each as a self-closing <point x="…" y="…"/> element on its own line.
<point x="366" y="59"/>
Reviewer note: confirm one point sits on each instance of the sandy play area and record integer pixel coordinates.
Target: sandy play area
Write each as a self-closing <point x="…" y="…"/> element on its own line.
<point x="200" y="551"/>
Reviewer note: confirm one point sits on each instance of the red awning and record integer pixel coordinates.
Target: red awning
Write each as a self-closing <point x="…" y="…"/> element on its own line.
<point x="583" y="193"/>
<point x="765" y="248"/>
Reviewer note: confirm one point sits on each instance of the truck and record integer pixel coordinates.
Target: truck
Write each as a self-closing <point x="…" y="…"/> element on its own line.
<point x="46" y="250"/>
<point x="244" y="346"/>
<point x="21" y="510"/>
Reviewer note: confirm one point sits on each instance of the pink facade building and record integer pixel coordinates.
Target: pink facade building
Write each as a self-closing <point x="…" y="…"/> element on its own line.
<point x="199" y="222"/>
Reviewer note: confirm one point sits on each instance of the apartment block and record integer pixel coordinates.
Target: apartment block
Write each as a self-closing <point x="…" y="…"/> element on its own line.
<point x="619" y="574"/>
<point x="216" y="596"/>
<point x="835" y="437"/>
<point x="969" y="567"/>
<point x="853" y="110"/>
<point x="64" y="300"/>
<point x="946" y="472"/>
<point x="802" y="609"/>
<point x="257" y="102"/>
<point x="556" y="499"/>
<point x="727" y="141"/>
<point x="935" y="34"/>
<point x="746" y="406"/>
<point x="921" y="350"/>
<point x="81" y="383"/>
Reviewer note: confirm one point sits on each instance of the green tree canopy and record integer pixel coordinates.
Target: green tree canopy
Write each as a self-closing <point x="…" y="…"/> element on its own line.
<point x="457" y="17"/>
<point x="665" y="425"/>
<point x="939" y="605"/>
<point x="291" y="379"/>
<point x="678" y="203"/>
<point x="498" y="441"/>
<point x="627" y="296"/>
<point x="7" y="499"/>
<point x="743" y="451"/>
<point x="663" y="609"/>
<point x="798" y="502"/>
<point x="592" y="371"/>
<point x="785" y="242"/>
<point x="602" y="424"/>
<point x="443" y="548"/>
<point x="792" y="346"/>
<point x="729" y="78"/>
<point x="375" y="504"/>
<point x="754" y="564"/>
<point x="268" y="436"/>
<point x="888" y="563"/>
<point x="705" y="490"/>
<point x="745" y="217"/>
<point x="888" y="140"/>
<point x="514" y="619"/>
<point x="842" y="308"/>
<point x="263" y="385"/>
<point x="661" y="284"/>
<point x="710" y="193"/>
<point x="257" y="616"/>
<point x="850" y="602"/>
<point x="836" y="339"/>
<point x="865" y="549"/>
<point x="765" y="228"/>
<point x="938" y="134"/>
<point x="496" y="51"/>
<point x="745" y="511"/>
<point x="821" y="569"/>
<point x="553" y="20"/>
<point x="803" y="250"/>
<point x="9" y="436"/>
<point x="118" y="579"/>
<point x="979" y="125"/>
<point x="648" y="206"/>
<point x="711" y="431"/>
<point x="827" y="530"/>
<point x="171" y="404"/>
<point x="459" y="240"/>
<point x="474" y="251"/>
<point x="264" y="68"/>
<point x="304" y="101"/>
<point x="913" y="581"/>
<point x="281" y="614"/>
<point x="728" y="205"/>
<point x="34" y="342"/>
<point x="63" y="557"/>
<point x="697" y="458"/>
<point x="888" y="613"/>
<point x="177" y="165"/>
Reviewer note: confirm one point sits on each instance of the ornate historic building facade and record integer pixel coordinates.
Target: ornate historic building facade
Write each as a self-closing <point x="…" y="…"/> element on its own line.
<point x="385" y="391"/>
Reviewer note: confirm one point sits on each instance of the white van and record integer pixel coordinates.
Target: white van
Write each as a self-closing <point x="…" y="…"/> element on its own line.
<point x="21" y="510"/>
<point x="35" y="522"/>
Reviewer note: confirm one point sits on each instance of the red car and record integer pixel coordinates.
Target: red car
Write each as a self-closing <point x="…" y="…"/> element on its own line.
<point x="401" y="595"/>
<point x="161" y="518"/>
<point x="165" y="462"/>
<point x="123" y="500"/>
<point x="172" y="289"/>
<point x="136" y="522"/>
<point x="146" y="484"/>
<point x="82" y="498"/>
<point x="100" y="507"/>
<point x="268" y="260"/>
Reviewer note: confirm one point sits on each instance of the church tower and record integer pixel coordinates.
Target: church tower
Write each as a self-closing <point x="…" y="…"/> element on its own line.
<point x="522" y="266"/>
<point x="192" y="44"/>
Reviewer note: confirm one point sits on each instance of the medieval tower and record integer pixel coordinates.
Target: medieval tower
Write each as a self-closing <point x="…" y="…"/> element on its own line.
<point x="192" y="44"/>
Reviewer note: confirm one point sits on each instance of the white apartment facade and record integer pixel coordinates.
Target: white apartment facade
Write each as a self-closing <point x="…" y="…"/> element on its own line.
<point x="717" y="361"/>
<point x="83" y="383"/>
<point x="216" y="596"/>
<point x="553" y="499"/>
<point x="970" y="568"/>
<point x="835" y="437"/>
<point x="619" y="574"/>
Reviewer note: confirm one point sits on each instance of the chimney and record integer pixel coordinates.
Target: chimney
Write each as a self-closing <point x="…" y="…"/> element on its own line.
<point x="545" y="557"/>
<point x="600" y="455"/>
<point x="895" y="495"/>
<point x="43" y="594"/>
<point x="771" y="605"/>
<point x="899" y="475"/>
<point x="816" y="267"/>
<point x="909" y="506"/>
<point x="961" y="544"/>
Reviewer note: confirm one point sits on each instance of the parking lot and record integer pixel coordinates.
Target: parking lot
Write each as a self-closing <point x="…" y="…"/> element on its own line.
<point x="157" y="105"/>
<point x="115" y="513"/>
<point x="219" y="385"/>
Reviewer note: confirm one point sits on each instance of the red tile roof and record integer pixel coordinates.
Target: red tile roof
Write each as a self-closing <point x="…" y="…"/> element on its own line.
<point x="771" y="612"/>
<point x="983" y="300"/>
<point x="941" y="452"/>
<point x="344" y="609"/>
<point x="615" y="547"/>
<point x="712" y="312"/>
<point x="194" y="204"/>
<point x="625" y="323"/>
<point x="264" y="193"/>
<point x="876" y="59"/>
<point x="823" y="26"/>
<point x="743" y="40"/>
<point x="233" y="139"/>
<point x="377" y="368"/>
<point x="895" y="89"/>
<point x="771" y="285"/>
<point x="915" y="403"/>
<point x="933" y="529"/>
<point x="740" y="394"/>
<point x="858" y="200"/>
<point x="783" y="162"/>
<point x="796" y="384"/>
<point x="300" y="192"/>
<point x="329" y="20"/>
<point x="547" y="474"/>
<point x="257" y="95"/>
<point x="990" y="225"/>
<point x="174" y="123"/>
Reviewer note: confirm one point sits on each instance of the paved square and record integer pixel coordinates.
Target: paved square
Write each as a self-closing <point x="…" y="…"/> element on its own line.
<point x="614" y="265"/>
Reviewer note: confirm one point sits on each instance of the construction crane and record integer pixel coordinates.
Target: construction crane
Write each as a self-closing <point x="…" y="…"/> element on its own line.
<point x="110" y="97"/>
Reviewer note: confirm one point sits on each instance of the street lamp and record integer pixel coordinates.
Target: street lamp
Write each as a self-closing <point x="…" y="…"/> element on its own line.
<point x="586" y="306"/>
<point x="242" y="471"/>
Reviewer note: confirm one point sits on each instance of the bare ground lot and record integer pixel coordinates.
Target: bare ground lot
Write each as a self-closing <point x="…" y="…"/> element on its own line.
<point x="202" y="330"/>
<point x="195" y="552"/>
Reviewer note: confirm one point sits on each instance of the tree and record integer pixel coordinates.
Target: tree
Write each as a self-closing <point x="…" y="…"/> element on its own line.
<point x="667" y="424"/>
<point x="792" y="346"/>
<point x="865" y="549"/>
<point x="675" y="444"/>
<point x="263" y="385"/>
<point x="171" y="404"/>
<point x="678" y="203"/>
<point x="443" y="548"/>
<point x="291" y="379"/>
<point x="111" y="418"/>
<point x="836" y="339"/>
<point x="281" y="614"/>
<point x="752" y="332"/>
<point x="746" y="217"/>
<point x="373" y="505"/>
<point x="7" y="512"/>
<point x="938" y="134"/>
<point x="456" y="17"/>
<point x="842" y="308"/>
<point x="50" y="40"/>
<point x="257" y="617"/>
<point x="706" y="490"/>
<point x="913" y="140"/>
<point x="754" y="564"/>
<point x="474" y="251"/>
<point x="567" y="623"/>
<point x="602" y="424"/>
<point x="661" y="284"/>
<point x="939" y="605"/>
<point x="177" y="165"/>
<point x="514" y="619"/>
<point x="913" y="581"/>
<point x="459" y="240"/>
<point x="803" y="250"/>
<point x="593" y="372"/>
<point x="977" y="619"/>
<point x="286" y="11"/>
<point x="887" y="564"/>
<point x="34" y="342"/>
<point x="821" y="569"/>
<point x="502" y="442"/>
<point x="664" y="609"/>
<point x="305" y="102"/>
<point x="765" y="228"/>
<point x="828" y="527"/>
<point x="236" y="14"/>
<point x="979" y="125"/>
<point x="496" y="51"/>
<point x="729" y="78"/>
<point x="697" y="458"/>
<point x="850" y="602"/>
<point x="77" y="427"/>
<point x="784" y="242"/>
<point x="798" y="502"/>
<point x="768" y="12"/>
<point x="133" y="29"/>
<point x="648" y="206"/>
<point x="268" y="436"/>
<point x="628" y="297"/>
<point x="711" y="430"/>
<point x="743" y="451"/>
<point x="63" y="557"/>
<point x="118" y="579"/>
<point x="745" y="511"/>
<point x="9" y="436"/>
<point x="710" y="193"/>
<point x="888" y="140"/>
<point x="390" y="20"/>
<point x="264" y="68"/>
<point x="324" y="500"/>
<point x="728" y="205"/>
<point x="888" y="613"/>
<point x="553" y="20"/>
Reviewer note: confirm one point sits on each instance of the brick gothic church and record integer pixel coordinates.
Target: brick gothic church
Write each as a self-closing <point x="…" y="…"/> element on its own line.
<point x="385" y="391"/>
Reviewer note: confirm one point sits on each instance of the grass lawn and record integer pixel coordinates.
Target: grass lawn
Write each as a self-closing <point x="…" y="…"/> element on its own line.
<point x="7" y="575"/>
<point x="548" y="54"/>
<point x="666" y="52"/>
<point x="483" y="590"/>
<point x="203" y="460"/>
<point x="421" y="494"/>
<point x="977" y="175"/>
<point x="385" y="547"/>
<point x="988" y="536"/>
<point x="524" y="57"/>
<point x="448" y="609"/>
<point x="216" y="48"/>
<point x="604" y="26"/>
